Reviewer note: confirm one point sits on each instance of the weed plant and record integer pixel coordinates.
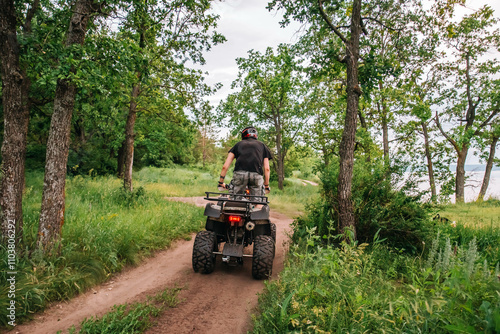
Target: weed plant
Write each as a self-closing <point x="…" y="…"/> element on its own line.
<point x="480" y="220"/>
<point x="105" y="229"/>
<point x="362" y="289"/>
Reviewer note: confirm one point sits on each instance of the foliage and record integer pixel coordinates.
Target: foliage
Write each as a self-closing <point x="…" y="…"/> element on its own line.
<point x="105" y="230"/>
<point x="371" y="288"/>
<point x="271" y="98"/>
<point x="379" y="207"/>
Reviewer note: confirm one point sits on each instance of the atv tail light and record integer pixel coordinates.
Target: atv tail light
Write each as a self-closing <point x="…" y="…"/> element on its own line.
<point x="234" y="219"/>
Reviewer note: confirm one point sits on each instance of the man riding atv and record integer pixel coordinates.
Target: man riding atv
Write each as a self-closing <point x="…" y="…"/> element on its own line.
<point x="235" y="222"/>
<point x="252" y="162"/>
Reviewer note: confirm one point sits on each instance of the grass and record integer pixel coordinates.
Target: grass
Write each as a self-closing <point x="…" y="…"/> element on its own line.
<point x="105" y="230"/>
<point x="372" y="289"/>
<point x="474" y="215"/>
<point x="184" y="182"/>
<point x="130" y="319"/>
<point x="474" y="220"/>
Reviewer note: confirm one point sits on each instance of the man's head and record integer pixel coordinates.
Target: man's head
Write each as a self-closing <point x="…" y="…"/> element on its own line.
<point x="249" y="132"/>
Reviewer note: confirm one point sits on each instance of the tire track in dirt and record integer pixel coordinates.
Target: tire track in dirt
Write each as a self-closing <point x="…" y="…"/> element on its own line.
<point x="220" y="302"/>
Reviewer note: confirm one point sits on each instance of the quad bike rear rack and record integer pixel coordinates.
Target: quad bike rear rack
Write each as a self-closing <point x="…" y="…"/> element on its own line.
<point x="214" y="211"/>
<point x="251" y="199"/>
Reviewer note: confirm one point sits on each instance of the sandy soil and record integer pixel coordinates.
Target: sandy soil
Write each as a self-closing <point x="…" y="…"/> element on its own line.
<point x="221" y="302"/>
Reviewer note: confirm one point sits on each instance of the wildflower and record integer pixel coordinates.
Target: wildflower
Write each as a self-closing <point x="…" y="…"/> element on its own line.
<point x="453" y="224"/>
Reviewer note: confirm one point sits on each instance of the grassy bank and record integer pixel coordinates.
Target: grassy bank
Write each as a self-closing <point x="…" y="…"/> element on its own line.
<point x="452" y="287"/>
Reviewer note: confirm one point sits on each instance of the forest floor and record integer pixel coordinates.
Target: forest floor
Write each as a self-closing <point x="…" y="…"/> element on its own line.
<point x="221" y="302"/>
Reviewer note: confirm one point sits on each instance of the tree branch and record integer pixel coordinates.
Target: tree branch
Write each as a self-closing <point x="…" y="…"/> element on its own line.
<point x="478" y="130"/>
<point x="380" y="23"/>
<point x="452" y="142"/>
<point x="330" y="24"/>
<point x="29" y="16"/>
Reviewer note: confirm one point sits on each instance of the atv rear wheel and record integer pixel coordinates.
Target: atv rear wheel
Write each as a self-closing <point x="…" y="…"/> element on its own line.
<point x="273" y="231"/>
<point x="263" y="256"/>
<point x="203" y="257"/>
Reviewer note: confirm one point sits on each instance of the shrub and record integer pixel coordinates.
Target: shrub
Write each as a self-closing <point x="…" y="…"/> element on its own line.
<point x="402" y="219"/>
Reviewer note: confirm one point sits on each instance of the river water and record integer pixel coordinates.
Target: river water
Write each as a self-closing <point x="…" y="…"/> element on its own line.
<point x="473" y="184"/>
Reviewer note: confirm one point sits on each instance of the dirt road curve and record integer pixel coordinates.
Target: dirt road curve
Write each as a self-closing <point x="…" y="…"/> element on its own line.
<point x="221" y="302"/>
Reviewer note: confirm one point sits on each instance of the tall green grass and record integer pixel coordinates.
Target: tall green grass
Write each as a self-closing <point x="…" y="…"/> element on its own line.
<point x="105" y="229"/>
<point x="375" y="289"/>
<point x="473" y="220"/>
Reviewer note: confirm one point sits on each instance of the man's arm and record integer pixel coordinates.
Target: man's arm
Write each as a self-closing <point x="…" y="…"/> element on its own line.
<point x="267" y="172"/>
<point x="227" y="164"/>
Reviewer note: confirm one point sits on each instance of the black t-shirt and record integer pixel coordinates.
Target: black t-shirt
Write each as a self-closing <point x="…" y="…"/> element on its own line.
<point x="250" y="154"/>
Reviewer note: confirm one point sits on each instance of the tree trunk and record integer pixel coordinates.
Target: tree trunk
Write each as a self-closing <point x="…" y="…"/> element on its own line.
<point x="487" y="172"/>
<point x="53" y="201"/>
<point x="129" y="127"/>
<point x="204" y="145"/>
<point x="346" y="210"/>
<point x="15" y="88"/>
<point x="280" y="155"/>
<point x="385" y="133"/>
<point x="460" y="175"/>
<point x="385" y="128"/>
<point x="430" y="168"/>
<point x="129" y="139"/>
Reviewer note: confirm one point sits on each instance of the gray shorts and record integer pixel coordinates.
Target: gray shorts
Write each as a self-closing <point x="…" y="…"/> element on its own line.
<point x="254" y="181"/>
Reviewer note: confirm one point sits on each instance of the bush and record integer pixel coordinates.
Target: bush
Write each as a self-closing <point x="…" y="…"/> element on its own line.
<point x="402" y="219"/>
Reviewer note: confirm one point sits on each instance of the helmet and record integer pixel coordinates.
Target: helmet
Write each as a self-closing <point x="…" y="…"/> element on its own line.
<point x="249" y="132"/>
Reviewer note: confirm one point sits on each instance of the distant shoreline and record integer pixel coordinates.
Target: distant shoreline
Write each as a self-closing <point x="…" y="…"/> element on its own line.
<point x="474" y="168"/>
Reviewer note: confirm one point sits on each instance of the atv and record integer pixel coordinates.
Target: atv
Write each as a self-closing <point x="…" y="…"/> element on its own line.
<point x="233" y="223"/>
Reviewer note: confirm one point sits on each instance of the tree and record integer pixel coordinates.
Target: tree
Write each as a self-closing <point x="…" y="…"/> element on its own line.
<point x="270" y="98"/>
<point x="343" y="29"/>
<point x="53" y="197"/>
<point x="467" y="97"/>
<point x="15" y="101"/>
<point x="166" y="32"/>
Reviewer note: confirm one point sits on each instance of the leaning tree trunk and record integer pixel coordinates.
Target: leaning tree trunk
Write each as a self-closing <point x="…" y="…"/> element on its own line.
<point x="460" y="175"/>
<point x="129" y="139"/>
<point x="430" y="168"/>
<point x="346" y="209"/>
<point x="15" y="88"/>
<point x="487" y="172"/>
<point x="53" y="202"/>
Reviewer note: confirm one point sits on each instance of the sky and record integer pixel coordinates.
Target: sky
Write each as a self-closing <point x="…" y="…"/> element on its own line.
<point x="247" y="25"/>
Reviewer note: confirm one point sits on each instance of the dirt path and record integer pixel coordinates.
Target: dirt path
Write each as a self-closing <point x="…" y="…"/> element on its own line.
<point x="221" y="302"/>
